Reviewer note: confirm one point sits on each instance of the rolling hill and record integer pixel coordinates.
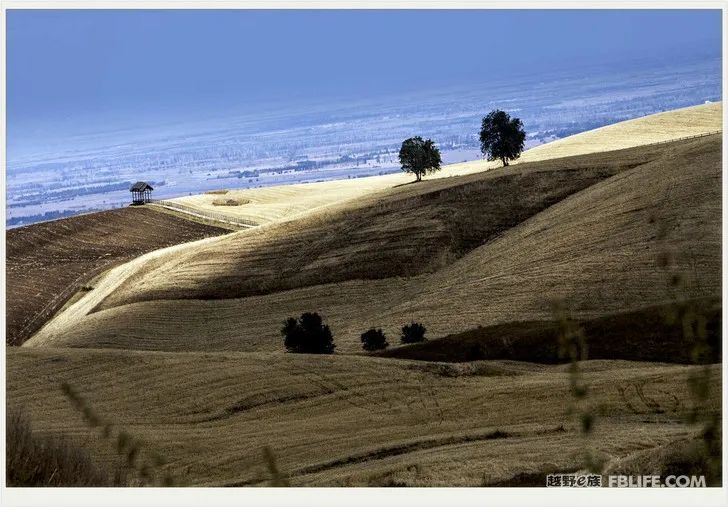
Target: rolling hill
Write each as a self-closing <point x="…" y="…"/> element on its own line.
<point x="647" y="334"/>
<point x="272" y="204"/>
<point x="347" y="420"/>
<point x="48" y="262"/>
<point x="394" y="258"/>
<point x="180" y="346"/>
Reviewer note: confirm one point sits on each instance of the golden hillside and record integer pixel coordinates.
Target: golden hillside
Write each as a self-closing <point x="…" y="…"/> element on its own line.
<point x="181" y="347"/>
<point x="654" y="128"/>
<point x="271" y="204"/>
<point x="395" y="258"/>
<point x="346" y="420"/>
<point x="48" y="262"/>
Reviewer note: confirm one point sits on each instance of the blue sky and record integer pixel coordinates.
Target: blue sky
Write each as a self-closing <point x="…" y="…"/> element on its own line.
<point x="76" y="66"/>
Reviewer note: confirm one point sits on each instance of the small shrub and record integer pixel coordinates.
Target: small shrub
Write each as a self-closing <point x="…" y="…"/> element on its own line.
<point x="413" y="333"/>
<point x="307" y="335"/>
<point x="474" y="352"/>
<point x="374" y="339"/>
<point x="230" y="202"/>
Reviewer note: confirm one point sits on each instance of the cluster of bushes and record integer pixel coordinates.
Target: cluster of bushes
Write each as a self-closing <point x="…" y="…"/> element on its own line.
<point x="375" y="339"/>
<point x="230" y="202"/>
<point x="308" y="334"/>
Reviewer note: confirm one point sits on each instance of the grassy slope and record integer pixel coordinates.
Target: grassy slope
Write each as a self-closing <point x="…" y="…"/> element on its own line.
<point x="655" y="128"/>
<point x="352" y="420"/>
<point x="649" y="334"/>
<point x="266" y="205"/>
<point x="596" y="249"/>
<point x="405" y="232"/>
<point x="48" y="262"/>
<point x="258" y="260"/>
<point x="347" y="419"/>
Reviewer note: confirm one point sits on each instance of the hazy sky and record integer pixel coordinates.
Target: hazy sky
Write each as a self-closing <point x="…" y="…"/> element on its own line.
<point x="64" y="65"/>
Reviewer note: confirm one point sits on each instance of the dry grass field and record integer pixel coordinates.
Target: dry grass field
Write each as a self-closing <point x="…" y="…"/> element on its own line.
<point x="270" y="204"/>
<point x="181" y="346"/>
<point x="655" y="128"/>
<point x="48" y="262"/>
<point x="596" y="249"/>
<point x="406" y="232"/>
<point x="266" y="205"/>
<point x="347" y="420"/>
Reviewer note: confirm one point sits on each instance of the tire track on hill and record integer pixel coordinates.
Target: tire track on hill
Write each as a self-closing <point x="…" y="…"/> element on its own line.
<point x="406" y="448"/>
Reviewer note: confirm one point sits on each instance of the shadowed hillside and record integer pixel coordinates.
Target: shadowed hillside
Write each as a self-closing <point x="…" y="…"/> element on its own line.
<point x="599" y="250"/>
<point x="180" y="348"/>
<point x="403" y="232"/>
<point x="644" y="335"/>
<point x="596" y="249"/>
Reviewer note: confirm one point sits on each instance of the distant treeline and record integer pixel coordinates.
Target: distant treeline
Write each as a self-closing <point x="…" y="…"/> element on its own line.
<point x="574" y="128"/>
<point x="44" y="217"/>
<point x="37" y="198"/>
<point x="308" y="165"/>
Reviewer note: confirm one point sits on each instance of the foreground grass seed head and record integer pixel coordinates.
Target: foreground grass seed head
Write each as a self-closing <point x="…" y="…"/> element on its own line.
<point x="144" y="469"/>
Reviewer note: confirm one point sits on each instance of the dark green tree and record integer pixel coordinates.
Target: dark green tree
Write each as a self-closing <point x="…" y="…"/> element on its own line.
<point x="501" y="137"/>
<point x="419" y="156"/>
<point x="374" y="339"/>
<point x="413" y="333"/>
<point x="307" y="335"/>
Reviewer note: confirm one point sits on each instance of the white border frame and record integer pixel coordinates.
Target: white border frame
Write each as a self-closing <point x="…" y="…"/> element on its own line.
<point x="354" y="497"/>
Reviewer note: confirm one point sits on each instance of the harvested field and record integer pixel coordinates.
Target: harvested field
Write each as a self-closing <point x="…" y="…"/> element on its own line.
<point x="405" y="231"/>
<point x="597" y="250"/>
<point x="273" y="204"/>
<point x="655" y="128"/>
<point x="181" y="346"/>
<point x="346" y="420"/>
<point x="48" y="262"/>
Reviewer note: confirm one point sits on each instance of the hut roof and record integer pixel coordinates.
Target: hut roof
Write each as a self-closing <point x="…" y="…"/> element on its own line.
<point x="140" y="186"/>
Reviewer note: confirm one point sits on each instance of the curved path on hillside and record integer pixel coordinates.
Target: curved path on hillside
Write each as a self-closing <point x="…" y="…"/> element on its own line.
<point x="47" y="263"/>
